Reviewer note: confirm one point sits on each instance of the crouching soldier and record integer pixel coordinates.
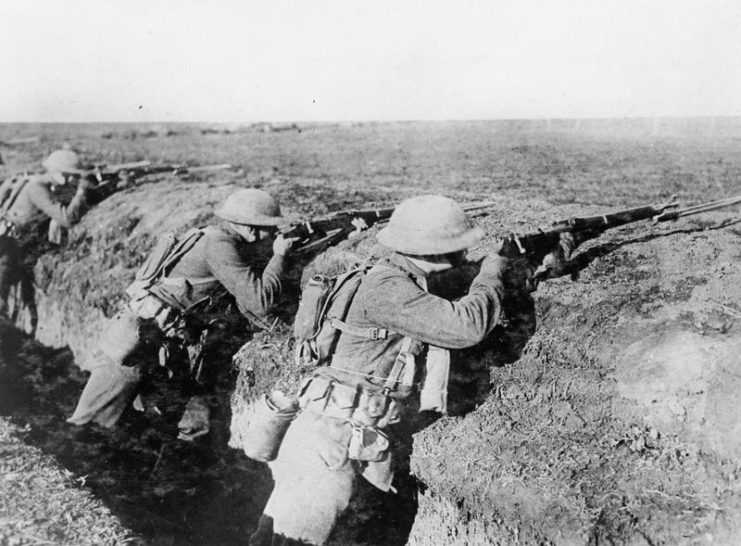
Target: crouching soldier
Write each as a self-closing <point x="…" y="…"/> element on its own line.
<point x="174" y="299"/>
<point x="392" y="331"/>
<point x="26" y="202"/>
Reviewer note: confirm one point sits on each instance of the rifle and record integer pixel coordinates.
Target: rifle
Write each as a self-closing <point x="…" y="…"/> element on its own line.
<point x="316" y="235"/>
<point x="16" y="141"/>
<point x="109" y="178"/>
<point x="534" y="247"/>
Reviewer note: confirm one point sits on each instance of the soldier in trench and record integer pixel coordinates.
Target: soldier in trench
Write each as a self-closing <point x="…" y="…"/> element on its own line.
<point x="27" y="201"/>
<point x="393" y="329"/>
<point x="176" y="315"/>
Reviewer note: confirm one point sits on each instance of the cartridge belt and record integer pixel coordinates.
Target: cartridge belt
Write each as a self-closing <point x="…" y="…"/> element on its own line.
<point x="348" y="403"/>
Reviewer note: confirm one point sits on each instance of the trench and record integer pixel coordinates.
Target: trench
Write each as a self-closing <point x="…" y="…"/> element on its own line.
<point x="537" y="445"/>
<point x="206" y="491"/>
<point x="544" y="443"/>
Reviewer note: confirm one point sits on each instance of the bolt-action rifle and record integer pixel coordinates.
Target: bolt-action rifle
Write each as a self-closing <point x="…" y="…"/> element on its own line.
<point x="109" y="178"/>
<point x="18" y="141"/>
<point x="316" y="235"/>
<point x="534" y="247"/>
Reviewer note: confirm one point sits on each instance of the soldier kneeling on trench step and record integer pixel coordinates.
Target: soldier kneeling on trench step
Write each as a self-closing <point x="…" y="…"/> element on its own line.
<point x="177" y="297"/>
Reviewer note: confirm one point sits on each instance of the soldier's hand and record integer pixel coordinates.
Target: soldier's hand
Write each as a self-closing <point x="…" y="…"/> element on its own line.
<point x="86" y="184"/>
<point x="556" y="263"/>
<point x="515" y="273"/>
<point x="359" y="224"/>
<point x="282" y="245"/>
<point x="495" y="264"/>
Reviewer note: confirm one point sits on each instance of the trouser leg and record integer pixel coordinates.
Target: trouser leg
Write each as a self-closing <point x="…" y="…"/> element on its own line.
<point x="111" y="385"/>
<point x="314" y="481"/>
<point x="197" y="385"/>
<point x="9" y="270"/>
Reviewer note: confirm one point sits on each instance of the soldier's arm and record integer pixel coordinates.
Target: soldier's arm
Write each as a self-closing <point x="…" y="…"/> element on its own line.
<point x="253" y="292"/>
<point x="405" y="308"/>
<point x="66" y="216"/>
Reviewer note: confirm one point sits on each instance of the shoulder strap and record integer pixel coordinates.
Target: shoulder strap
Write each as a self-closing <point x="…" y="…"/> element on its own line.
<point x="17" y="184"/>
<point x="404" y="367"/>
<point x="368" y="333"/>
<point x="187" y="242"/>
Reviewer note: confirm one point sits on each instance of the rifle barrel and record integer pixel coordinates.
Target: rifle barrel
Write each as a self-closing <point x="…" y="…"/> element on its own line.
<point x="478" y="206"/>
<point x="697" y="209"/>
<point x="126" y="166"/>
<point x="221" y="167"/>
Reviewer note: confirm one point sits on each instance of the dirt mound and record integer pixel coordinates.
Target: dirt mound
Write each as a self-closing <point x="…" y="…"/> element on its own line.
<point x="618" y="423"/>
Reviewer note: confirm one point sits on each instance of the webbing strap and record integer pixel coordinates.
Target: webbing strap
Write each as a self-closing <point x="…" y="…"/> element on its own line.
<point x="404" y="359"/>
<point x="17" y="186"/>
<point x="368" y="333"/>
<point x="182" y="247"/>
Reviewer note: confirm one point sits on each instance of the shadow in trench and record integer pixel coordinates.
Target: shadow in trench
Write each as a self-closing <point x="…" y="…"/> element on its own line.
<point x="166" y="490"/>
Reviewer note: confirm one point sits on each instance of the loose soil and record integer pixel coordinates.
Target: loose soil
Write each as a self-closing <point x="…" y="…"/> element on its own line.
<point x="603" y="411"/>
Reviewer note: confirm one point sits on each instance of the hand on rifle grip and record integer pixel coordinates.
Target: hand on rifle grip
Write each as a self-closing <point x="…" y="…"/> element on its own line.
<point x="556" y="263"/>
<point x="359" y="224"/>
<point x="282" y="245"/>
<point x="87" y="184"/>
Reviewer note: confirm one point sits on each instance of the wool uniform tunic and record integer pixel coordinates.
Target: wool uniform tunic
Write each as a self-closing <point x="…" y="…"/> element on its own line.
<point x="219" y="262"/>
<point x="314" y="474"/>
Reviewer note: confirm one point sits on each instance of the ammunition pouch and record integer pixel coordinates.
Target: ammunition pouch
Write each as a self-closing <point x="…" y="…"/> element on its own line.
<point x="367" y="444"/>
<point x="333" y="399"/>
<point x="144" y="304"/>
<point x="368" y="413"/>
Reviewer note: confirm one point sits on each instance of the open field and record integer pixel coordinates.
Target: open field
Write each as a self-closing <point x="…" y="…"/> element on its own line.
<point x="613" y="421"/>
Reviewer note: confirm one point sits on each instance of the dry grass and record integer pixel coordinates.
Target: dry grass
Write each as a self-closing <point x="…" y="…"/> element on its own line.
<point x="41" y="503"/>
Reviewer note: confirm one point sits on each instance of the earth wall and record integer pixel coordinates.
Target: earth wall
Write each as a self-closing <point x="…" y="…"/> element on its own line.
<point x="612" y="422"/>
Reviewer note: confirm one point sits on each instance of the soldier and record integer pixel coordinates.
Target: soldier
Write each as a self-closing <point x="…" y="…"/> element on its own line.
<point x="345" y="406"/>
<point x="28" y="200"/>
<point x="173" y="314"/>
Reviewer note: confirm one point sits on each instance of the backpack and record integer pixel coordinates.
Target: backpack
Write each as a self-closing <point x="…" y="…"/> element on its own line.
<point x="163" y="257"/>
<point x="322" y="310"/>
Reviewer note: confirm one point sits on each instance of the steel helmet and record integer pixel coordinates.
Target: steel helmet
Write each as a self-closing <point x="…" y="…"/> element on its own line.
<point x="63" y="161"/>
<point x="251" y="207"/>
<point x="427" y="225"/>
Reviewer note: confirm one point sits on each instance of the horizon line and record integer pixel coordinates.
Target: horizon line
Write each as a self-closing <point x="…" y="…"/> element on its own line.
<point x="358" y="121"/>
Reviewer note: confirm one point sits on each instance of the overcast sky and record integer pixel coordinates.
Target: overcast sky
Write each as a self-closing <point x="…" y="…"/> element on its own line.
<point x="332" y="60"/>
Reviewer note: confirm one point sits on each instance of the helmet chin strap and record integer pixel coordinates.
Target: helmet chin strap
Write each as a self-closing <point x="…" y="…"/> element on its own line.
<point x="432" y="264"/>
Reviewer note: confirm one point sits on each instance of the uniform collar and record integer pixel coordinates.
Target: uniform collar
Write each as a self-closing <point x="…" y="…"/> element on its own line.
<point x="400" y="261"/>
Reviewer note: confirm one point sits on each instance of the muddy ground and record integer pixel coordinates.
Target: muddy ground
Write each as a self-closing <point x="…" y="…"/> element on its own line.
<point x="611" y="422"/>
